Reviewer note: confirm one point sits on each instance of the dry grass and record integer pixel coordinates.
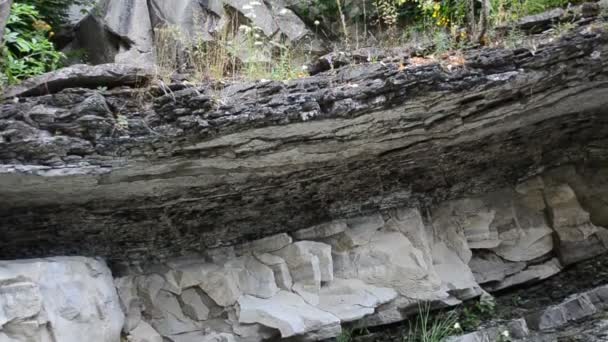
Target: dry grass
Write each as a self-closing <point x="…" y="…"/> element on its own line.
<point x="236" y="52"/>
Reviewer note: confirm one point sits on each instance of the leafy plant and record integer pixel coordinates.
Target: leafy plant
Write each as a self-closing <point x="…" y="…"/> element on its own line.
<point x="27" y="50"/>
<point x="55" y="12"/>
<point x="473" y="315"/>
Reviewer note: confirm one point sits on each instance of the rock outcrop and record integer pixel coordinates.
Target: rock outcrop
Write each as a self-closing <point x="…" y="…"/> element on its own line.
<point x="58" y="299"/>
<point x="131" y="173"/>
<point x="252" y="211"/>
<point x="123" y="31"/>
<point x="370" y="270"/>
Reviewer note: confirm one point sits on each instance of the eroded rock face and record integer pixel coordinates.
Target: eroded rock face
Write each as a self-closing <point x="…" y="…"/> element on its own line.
<point x="371" y="270"/>
<point x="125" y="31"/>
<point x="372" y="189"/>
<point x="58" y="299"/>
<point x="367" y="270"/>
<point x="164" y="173"/>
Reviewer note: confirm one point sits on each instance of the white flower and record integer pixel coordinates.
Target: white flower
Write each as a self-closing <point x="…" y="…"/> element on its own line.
<point x="457" y="326"/>
<point x="284" y="11"/>
<point x="258" y="43"/>
<point x="244" y="28"/>
<point x="317" y="23"/>
<point x="304" y="67"/>
<point x="505" y="333"/>
<point x="255" y="3"/>
<point x="247" y="7"/>
<point x="257" y="35"/>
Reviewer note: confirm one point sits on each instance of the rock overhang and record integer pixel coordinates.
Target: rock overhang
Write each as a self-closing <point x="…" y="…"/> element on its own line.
<point x="125" y="173"/>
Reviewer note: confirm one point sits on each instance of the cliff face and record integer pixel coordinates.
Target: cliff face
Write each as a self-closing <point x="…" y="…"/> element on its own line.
<point x="127" y="173"/>
<point x="372" y="187"/>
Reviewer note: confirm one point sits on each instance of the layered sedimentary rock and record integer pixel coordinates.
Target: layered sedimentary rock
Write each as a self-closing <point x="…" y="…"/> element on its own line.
<point x="131" y="173"/>
<point x="369" y="270"/>
<point x="251" y="211"/>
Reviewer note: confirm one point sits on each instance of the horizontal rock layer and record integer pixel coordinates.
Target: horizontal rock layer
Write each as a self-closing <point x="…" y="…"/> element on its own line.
<point x="370" y="270"/>
<point x="366" y="271"/>
<point x="133" y="173"/>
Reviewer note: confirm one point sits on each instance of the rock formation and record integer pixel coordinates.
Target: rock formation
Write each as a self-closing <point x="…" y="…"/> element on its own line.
<point x="251" y="211"/>
<point x="58" y="299"/>
<point x="122" y="31"/>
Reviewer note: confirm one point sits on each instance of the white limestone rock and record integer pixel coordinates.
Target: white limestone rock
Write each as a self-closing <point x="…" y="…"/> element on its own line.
<point x="525" y="244"/>
<point x="473" y="217"/>
<point x="26" y="330"/>
<point x="456" y="276"/>
<point x="520" y="220"/>
<point x="360" y="230"/>
<point x="287" y="312"/>
<point x="564" y="209"/>
<point x="221" y="286"/>
<point x="143" y="332"/>
<point x="20" y="299"/>
<point x="578" y="238"/>
<point x="191" y="271"/>
<point x="279" y="268"/>
<point x="148" y="288"/>
<point x="130" y="302"/>
<point x="172" y="278"/>
<point x="531" y="274"/>
<point x="409" y="222"/>
<point x="68" y="298"/>
<point x="309" y="263"/>
<point x="217" y="282"/>
<point x="390" y="260"/>
<point x="168" y="318"/>
<point x="352" y="299"/>
<point x="252" y="277"/>
<point x="193" y="304"/>
<point x="489" y="267"/>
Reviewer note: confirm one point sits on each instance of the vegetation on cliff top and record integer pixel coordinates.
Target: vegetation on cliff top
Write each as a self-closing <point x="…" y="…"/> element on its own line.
<point x="28" y="48"/>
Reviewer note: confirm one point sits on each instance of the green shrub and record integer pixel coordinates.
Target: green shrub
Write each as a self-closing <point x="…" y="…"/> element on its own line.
<point x="54" y="12"/>
<point x="27" y="50"/>
<point x="473" y="315"/>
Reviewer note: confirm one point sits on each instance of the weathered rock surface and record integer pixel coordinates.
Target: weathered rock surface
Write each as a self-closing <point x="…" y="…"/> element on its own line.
<point x="125" y="31"/>
<point x="370" y="270"/>
<point x="58" y="299"/>
<point x="123" y="172"/>
<point x="244" y="212"/>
